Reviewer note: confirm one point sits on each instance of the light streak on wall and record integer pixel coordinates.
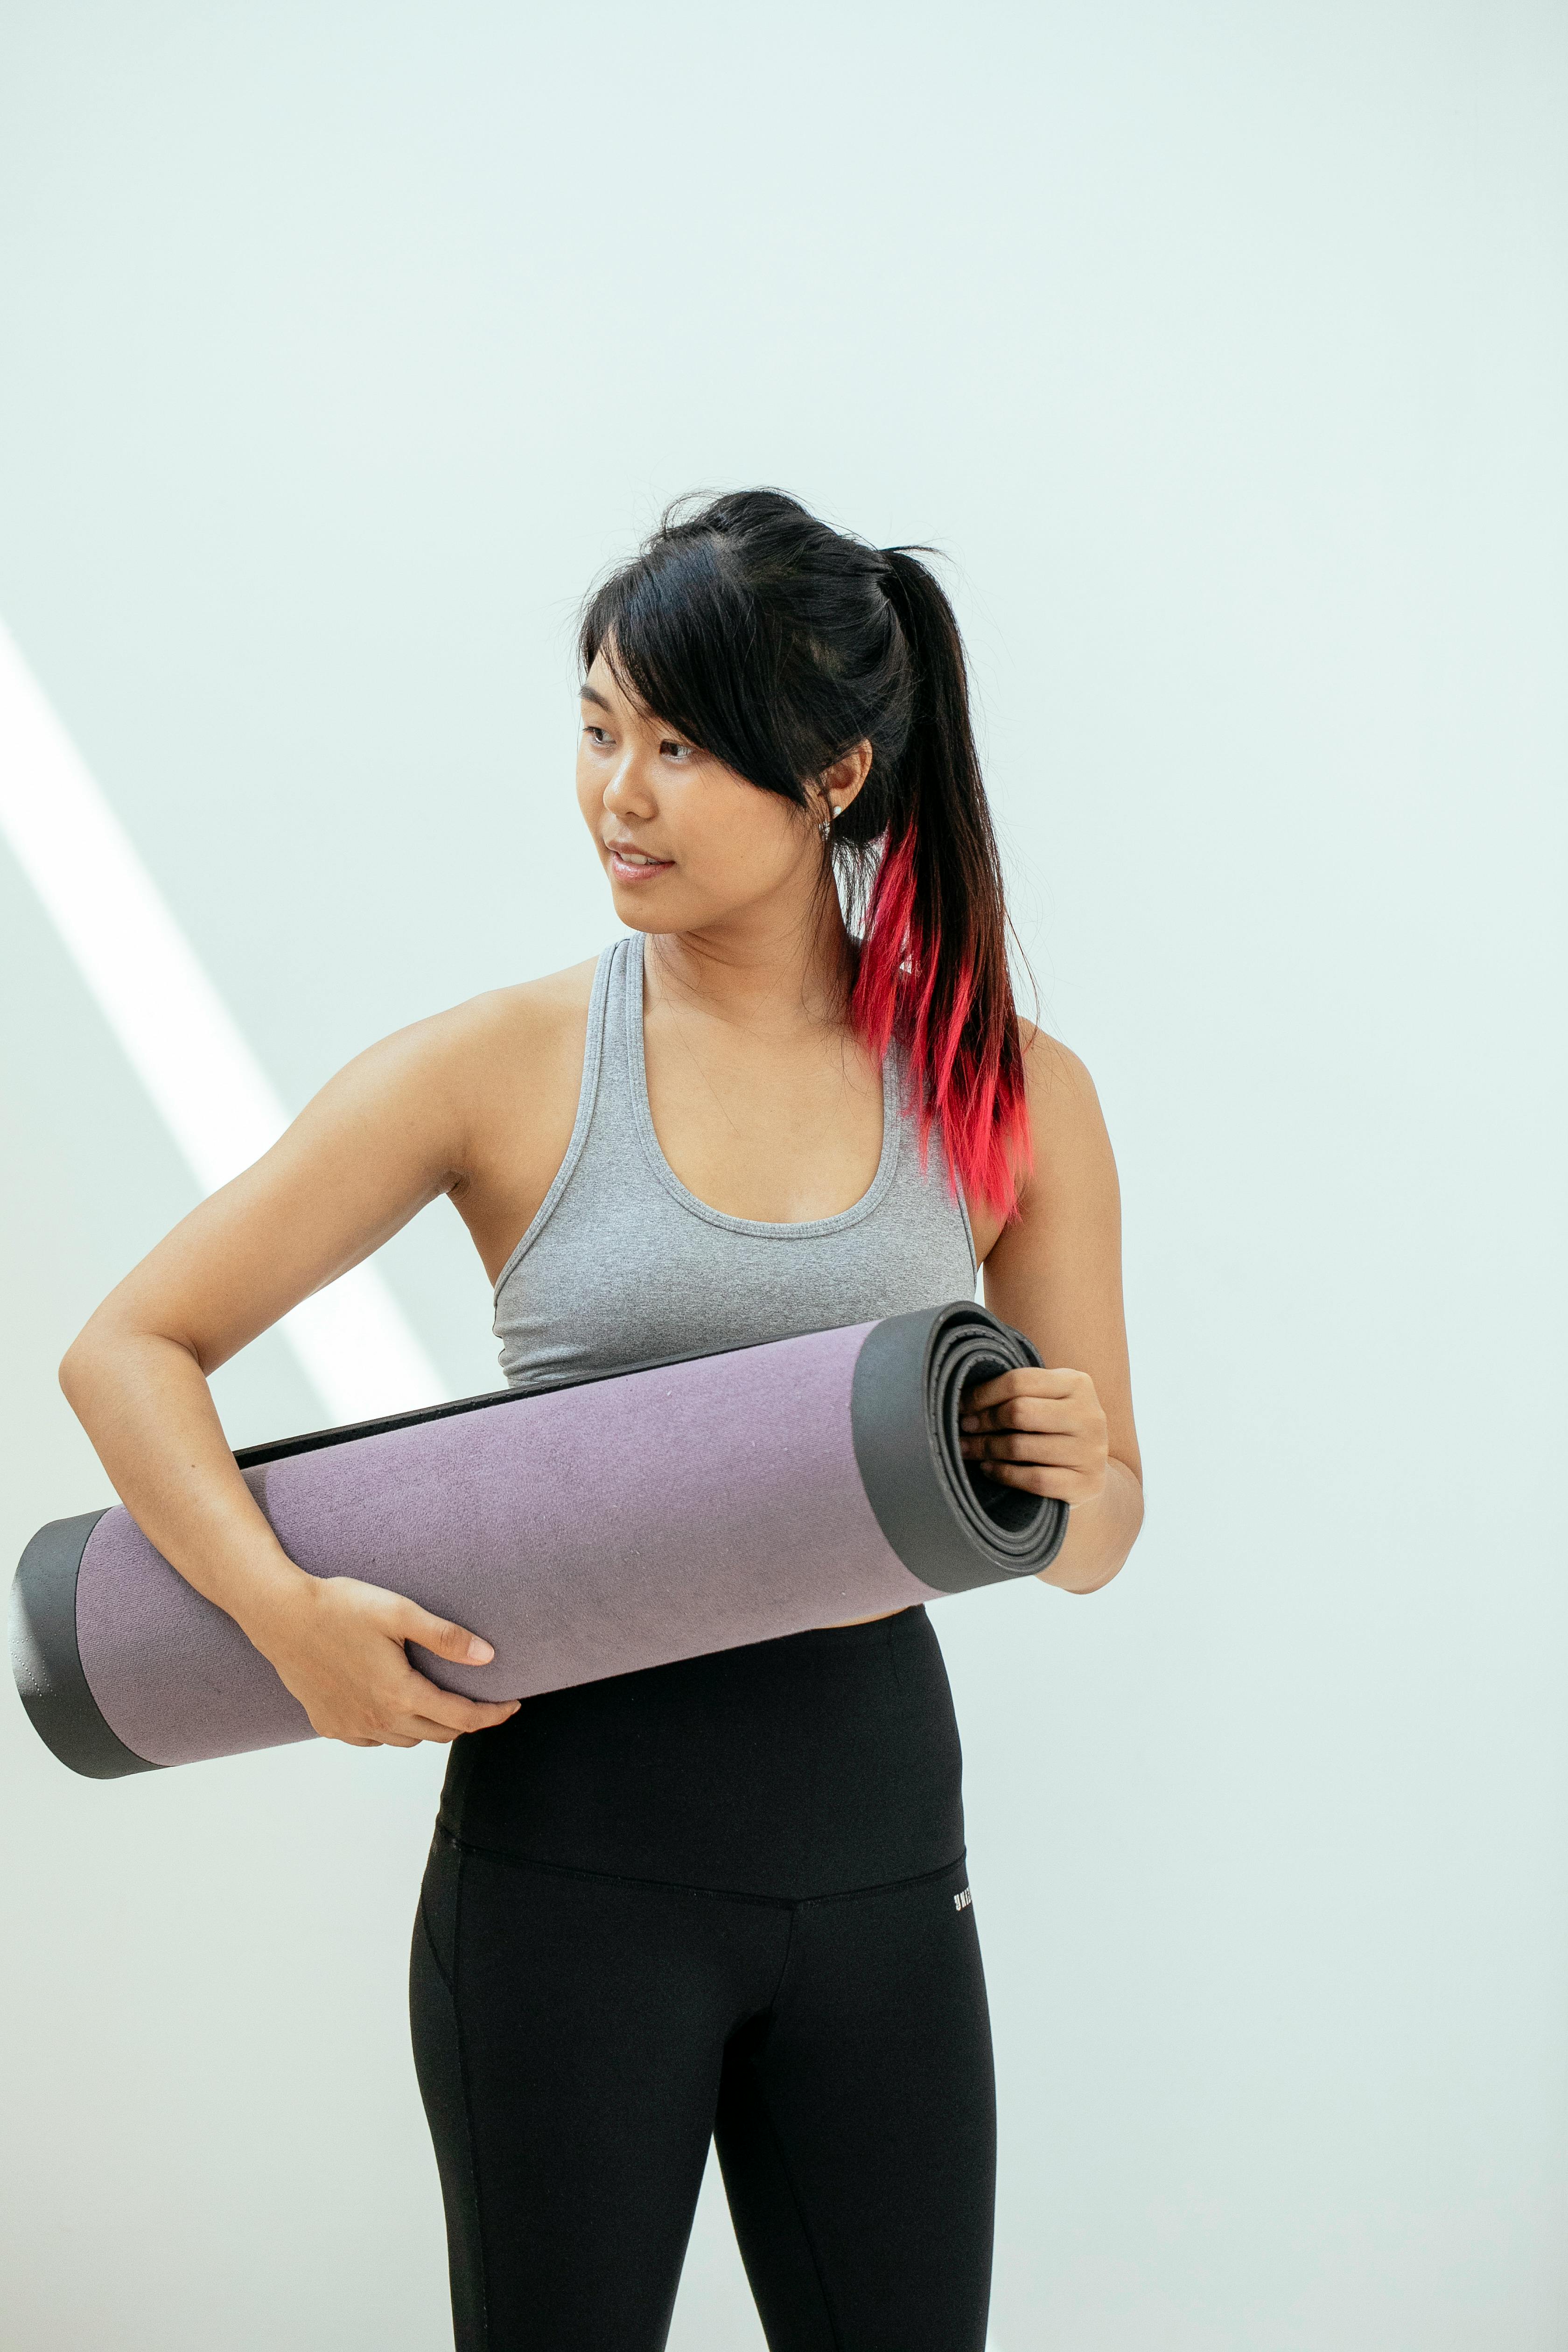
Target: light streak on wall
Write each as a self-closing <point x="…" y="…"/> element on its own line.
<point x="351" y="1339"/>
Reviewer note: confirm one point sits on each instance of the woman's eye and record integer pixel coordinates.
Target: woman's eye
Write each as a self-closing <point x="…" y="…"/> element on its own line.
<point x="677" y="750"/>
<point x="598" y="734"/>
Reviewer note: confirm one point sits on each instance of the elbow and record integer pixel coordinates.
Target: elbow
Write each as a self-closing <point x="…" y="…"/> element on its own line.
<point x="1098" y="1583"/>
<point x="71" y="1367"/>
<point x="1103" y="1553"/>
<point x="77" y="1367"/>
<point x="114" y="1346"/>
<point x="1131" y="1527"/>
<point x="84" y="1360"/>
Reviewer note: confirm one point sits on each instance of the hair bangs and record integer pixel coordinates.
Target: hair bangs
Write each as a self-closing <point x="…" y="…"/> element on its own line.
<point x="683" y="640"/>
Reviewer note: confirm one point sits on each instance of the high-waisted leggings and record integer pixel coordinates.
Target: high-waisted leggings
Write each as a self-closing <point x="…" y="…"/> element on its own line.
<point x="724" y="1899"/>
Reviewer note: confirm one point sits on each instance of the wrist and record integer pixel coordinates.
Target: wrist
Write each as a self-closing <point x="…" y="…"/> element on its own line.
<point x="278" y="1598"/>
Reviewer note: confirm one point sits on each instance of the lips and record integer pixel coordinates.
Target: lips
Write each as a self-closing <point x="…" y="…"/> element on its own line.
<point x="629" y="864"/>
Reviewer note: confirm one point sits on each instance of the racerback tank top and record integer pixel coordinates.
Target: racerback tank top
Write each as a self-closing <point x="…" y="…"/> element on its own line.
<point x="624" y="1267"/>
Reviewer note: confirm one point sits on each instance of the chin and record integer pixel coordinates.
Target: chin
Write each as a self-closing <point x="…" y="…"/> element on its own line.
<point x="632" y="908"/>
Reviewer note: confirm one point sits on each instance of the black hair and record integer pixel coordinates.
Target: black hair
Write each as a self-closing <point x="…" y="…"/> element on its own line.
<point x="777" y="644"/>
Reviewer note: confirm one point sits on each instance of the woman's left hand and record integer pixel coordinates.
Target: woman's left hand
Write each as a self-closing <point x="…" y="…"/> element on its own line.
<point x="1043" y="1431"/>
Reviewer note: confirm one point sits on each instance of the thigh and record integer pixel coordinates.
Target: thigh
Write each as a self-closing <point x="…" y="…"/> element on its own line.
<point x="857" y="2128"/>
<point x="569" y="2035"/>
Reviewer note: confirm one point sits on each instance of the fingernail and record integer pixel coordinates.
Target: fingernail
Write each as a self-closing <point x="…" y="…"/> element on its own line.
<point x="480" y="1653"/>
<point x="968" y="1420"/>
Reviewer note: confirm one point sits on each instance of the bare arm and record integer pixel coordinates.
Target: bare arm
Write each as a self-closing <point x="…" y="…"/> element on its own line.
<point x="1056" y="1275"/>
<point x="381" y="1139"/>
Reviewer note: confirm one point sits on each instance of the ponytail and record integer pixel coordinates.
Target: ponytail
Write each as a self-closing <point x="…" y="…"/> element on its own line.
<point x="934" y="957"/>
<point x="778" y="645"/>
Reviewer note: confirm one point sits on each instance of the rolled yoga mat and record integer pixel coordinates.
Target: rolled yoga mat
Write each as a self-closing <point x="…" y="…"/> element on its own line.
<point x="583" y="1531"/>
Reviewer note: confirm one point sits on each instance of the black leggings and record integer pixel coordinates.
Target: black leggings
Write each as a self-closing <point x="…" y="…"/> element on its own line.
<point x="721" y="1899"/>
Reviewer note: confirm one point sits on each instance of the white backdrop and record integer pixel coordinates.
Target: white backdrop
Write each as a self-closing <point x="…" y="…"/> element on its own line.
<point x="1223" y="349"/>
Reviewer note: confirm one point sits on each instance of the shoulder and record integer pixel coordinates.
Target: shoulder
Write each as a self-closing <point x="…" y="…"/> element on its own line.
<point x="531" y="1018"/>
<point x="1053" y="1072"/>
<point x="1069" y="1151"/>
<point x="530" y="1013"/>
<point x="1060" y="1094"/>
<point x="1066" y="1126"/>
<point x="452" y="1071"/>
<point x="528" y="1007"/>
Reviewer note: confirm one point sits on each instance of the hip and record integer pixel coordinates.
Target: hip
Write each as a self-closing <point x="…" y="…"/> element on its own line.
<point x="815" y="1764"/>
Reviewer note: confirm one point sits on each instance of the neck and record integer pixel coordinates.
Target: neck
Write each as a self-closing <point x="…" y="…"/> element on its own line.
<point x="771" y="966"/>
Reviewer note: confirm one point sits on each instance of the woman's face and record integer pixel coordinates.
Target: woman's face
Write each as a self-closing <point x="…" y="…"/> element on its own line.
<point x="685" y="842"/>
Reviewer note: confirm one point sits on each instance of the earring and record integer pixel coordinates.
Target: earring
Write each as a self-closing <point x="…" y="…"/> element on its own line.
<point x="826" y="827"/>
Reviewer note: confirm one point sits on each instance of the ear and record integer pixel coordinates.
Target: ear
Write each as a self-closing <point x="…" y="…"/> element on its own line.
<point x="837" y="785"/>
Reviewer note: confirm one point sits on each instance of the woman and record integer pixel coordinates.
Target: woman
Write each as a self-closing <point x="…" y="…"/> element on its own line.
<point x="724" y="1897"/>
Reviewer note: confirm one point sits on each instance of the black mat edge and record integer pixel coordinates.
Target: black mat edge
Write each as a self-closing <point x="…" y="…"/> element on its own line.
<point x="898" y="1456"/>
<point x="280" y="1449"/>
<point x="46" y="1660"/>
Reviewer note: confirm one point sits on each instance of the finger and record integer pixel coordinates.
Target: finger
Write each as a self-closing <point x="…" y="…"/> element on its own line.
<point x="1028" y="1413"/>
<point x="426" y="1727"/>
<point x="453" y="1711"/>
<point x="430" y="1726"/>
<point x="439" y="1634"/>
<point x="1061" y="1453"/>
<point x="1059" y="1485"/>
<point x="1027" y="1380"/>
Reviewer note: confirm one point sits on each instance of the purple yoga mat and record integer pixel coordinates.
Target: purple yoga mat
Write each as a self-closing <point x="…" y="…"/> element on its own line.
<point x="588" y="1531"/>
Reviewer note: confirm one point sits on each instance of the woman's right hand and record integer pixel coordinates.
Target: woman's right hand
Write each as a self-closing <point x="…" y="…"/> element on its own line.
<point x="338" y="1646"/>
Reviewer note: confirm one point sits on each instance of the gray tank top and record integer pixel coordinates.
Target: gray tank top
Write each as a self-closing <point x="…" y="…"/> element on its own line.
<point x="622" y="1266"/>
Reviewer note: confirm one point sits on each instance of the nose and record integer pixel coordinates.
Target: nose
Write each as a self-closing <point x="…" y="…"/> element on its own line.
<point x="629" y="793"/>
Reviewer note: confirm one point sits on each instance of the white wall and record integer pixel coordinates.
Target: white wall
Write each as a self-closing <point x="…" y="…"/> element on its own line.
<point x="1223" y="348"/>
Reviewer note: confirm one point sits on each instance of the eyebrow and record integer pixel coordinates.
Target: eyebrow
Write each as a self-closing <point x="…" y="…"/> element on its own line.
<point x="590" y="693"/>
